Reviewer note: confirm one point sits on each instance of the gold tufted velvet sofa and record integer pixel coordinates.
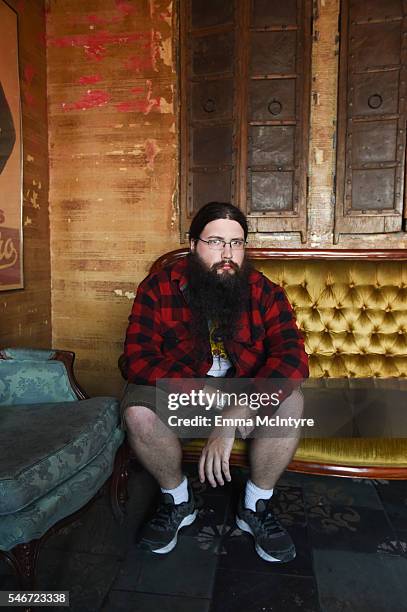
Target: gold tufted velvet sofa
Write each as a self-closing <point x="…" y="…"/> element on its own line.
<point x="352" y="309"/>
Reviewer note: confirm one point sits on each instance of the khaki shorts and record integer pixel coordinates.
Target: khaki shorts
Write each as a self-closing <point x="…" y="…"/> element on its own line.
<point x="138" y="395"/>
<point x="143" y="395"/>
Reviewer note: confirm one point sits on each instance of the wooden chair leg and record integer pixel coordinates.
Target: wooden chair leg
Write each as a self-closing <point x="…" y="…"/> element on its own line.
<point x="23" y="559"/>
<point x="118" y="483"/>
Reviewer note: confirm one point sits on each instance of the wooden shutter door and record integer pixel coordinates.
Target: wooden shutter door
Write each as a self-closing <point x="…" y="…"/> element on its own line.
<point x="371" y="117"/>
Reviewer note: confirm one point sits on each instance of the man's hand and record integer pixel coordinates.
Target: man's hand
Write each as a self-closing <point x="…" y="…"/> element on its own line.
<point x="214" y="461"/>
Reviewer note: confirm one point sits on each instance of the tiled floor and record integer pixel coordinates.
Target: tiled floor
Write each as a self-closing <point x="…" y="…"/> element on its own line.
<point x="351" y="539"/>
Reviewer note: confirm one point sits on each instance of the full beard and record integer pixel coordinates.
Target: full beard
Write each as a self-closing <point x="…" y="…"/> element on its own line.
<point x="216" y="297"/>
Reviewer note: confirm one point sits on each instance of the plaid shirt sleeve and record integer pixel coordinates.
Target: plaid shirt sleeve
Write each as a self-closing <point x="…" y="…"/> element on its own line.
<point x="145" y="360"/>
<point x="286" y="356"/>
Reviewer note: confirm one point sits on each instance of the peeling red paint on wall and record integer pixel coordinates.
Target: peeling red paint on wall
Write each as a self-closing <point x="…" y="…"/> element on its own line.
<point x="151" y="150"/>
<point x="124" y="7"/>
<point x="94" y="45"/>
<point x="144" y="105"/>
<point x="148" y="55"/>
<point x="89" y="80"/>
<point x="92" y="99"/>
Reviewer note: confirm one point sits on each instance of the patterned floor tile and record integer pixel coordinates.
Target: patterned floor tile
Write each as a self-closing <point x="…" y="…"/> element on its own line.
<point x="239" y="591"/>
<point x="358" y="582"/>
<point x="124" y="601"/>
<point x="188" y="570"/>
<point x="394" y="497"/>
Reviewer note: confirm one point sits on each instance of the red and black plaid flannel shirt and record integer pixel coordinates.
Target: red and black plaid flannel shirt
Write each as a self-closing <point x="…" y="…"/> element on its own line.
<point x="159" y="343"/>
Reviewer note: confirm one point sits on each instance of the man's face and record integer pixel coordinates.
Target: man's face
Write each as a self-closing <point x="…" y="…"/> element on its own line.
<point x="224" y="261"/>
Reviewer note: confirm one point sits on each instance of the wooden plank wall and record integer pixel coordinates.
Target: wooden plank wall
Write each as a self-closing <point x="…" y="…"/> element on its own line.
<point x="25" y="314"/>
<point x="113" y="167"/>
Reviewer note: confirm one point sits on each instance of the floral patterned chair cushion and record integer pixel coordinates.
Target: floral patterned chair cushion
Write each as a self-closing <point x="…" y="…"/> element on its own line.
<point x="45" y="444"/>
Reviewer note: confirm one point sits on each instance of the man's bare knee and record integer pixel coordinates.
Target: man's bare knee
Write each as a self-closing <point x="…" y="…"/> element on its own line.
<point x="140" y="421"/>
<point x="293" y="406"/>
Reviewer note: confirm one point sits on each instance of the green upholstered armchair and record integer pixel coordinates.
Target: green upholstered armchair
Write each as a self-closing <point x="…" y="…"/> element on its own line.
<point x="57" y="450"/>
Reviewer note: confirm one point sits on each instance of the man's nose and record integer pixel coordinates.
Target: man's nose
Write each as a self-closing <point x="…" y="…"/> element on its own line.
<point x="227" y="252"/>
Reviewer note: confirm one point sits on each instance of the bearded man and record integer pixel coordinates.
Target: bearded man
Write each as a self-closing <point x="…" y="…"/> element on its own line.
<point x="212" y="315"/>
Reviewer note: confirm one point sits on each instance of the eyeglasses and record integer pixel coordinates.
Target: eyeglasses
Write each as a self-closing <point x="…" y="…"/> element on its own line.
<point x="216" y="244"/>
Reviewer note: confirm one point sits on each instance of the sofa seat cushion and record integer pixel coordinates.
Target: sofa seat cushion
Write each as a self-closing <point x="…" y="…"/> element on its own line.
<point x="42" y="445"/>
<point x="33" y="521"/>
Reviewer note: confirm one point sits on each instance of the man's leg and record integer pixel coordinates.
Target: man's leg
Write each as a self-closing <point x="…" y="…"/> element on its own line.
<point x="157" y="447"/>
<point x="159" y="451"/>
<point x="269" y="457"/>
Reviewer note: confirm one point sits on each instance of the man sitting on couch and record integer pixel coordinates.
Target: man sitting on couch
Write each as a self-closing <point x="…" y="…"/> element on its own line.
<point x="213" y="294"/>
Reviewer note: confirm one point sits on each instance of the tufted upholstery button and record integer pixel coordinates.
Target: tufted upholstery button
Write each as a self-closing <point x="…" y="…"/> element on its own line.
<point x="351" y="285"/>
<point x="314" y="306"/>
<point x="364" y="307"/>
<point x="388" y="308"/>
<point x="400" y="331"/>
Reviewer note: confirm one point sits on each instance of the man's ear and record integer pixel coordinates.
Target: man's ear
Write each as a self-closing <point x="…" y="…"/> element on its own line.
<point x="192" y="245"/>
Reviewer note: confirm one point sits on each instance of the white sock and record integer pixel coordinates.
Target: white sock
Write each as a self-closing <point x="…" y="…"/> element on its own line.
<point x="180" y="493"/>
<point x="254" y="493"/>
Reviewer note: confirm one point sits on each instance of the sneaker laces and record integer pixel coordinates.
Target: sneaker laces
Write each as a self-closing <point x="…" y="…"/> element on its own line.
<point x="267" y="522"/>
<point x="165" y="516"/>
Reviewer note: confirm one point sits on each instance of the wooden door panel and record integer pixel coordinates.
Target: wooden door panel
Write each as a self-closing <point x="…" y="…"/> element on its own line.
<point x="375" y="9"/>
<point x="206" y="13"/>
<point x="373" y="189"/>
<point x="267" y="13"/>
<point x="210" y="187"/>
<point x="273" y="52"/>
<point x="213" y="54"/>
<point x="212" y="100"/>
<point x="371" y="116"/>
<point x="375" y="45"/>
<point x="212" y="145"/>
<point x="374" y="142"/>
<point x="271" y="191"/>
<point x="272" y="145"/>
<point x="272" y="99"/>
<point x="375" y="93"/>
<point x="245" y="87"/>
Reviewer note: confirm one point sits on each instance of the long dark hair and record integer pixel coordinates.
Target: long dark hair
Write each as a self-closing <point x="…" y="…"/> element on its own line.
<point x="216" y="210"/>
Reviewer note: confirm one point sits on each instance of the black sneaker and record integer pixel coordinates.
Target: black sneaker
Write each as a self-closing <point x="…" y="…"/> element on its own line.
<point x="160" y="534"/>
<point x="272" y="542"/>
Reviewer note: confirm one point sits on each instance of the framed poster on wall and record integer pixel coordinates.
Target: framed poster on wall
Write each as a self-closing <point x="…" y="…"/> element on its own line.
<point x="11" y="175"/>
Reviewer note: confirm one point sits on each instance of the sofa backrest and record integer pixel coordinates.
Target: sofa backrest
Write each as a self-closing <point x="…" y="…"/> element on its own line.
<point x="350" y="305"/>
